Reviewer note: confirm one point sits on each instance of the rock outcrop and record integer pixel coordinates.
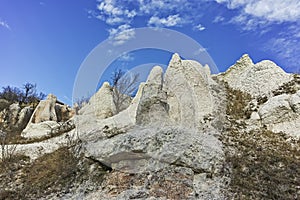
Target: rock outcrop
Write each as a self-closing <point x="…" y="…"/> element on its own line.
<point x="152" y="106"/>
<point x="166" y="150"/>
<point x="187" y="86"/>
<point x="49" y="118"/>
<point x="186" y="134"/>
<point x="258" y="79"/>
<point x="13" y="118"/>
<point x="45" y="111"/>
<point x="160" y="133"/>
<point x="101" y="104"/>
<point x="281" y="114"/>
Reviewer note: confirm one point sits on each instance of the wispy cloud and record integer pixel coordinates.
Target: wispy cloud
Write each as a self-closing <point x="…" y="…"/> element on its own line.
<point x="200" y="27"/>
<point x="171" y="20"/>
<point x="255" y="16"/>
<point x="126" y="57"/>
<point x="218" y="19"/>
<point x="264" y="10"/>
<point x="121" y="34"/>
<point x="286" y="47"/>
<point x="160" y="13"/>
<point x="4" y="24"/>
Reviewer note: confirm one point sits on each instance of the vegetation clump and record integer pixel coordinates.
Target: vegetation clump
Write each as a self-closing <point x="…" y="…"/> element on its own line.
<point x="261" y="164"/>
<point x="264" y="165"/>
<point x="55" y="173"/>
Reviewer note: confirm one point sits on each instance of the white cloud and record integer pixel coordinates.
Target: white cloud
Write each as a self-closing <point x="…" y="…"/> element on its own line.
<point x="171" y="20"/>
<point x="126" y="57"/>
<point x="121" y="34"/>
<point x="157" y="12"/>
<point x="4" y="24"/>
<point x="218" y="19"/>
<point x="285" y="46"/>
<point x="113" y="13"/>
<point x="269" y="10"/>
<point x="200" y="27"/>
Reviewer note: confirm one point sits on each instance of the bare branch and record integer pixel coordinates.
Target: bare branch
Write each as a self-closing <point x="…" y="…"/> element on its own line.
<point x="123" y="87"/>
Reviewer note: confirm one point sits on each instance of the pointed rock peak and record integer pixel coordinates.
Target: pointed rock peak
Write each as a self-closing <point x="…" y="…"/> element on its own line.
<point x="51" y="97"/>
<point x="175" y="60"/>
<point x="156" y="75"/>
<point x="105" y="85"/>
<point x="245" y="60"/>
<point x="207" y="69"/>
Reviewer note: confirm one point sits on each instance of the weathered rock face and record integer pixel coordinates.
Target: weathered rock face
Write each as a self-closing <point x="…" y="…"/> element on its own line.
<point x="281" y="114"/>
<point x="101" y="104"/>
<point x="152" y="105"/>
<point x="146" y="151"/>
<point x="187" y="85"/>
<point x="64" y="112"/>
<point x="295" y="102"/>
<point x="24" y="117"/>
<point x="49" y="118"/>
<point x="256" y="79"/>
<point x="14" y="118"/>
<point x="170" y="142"/>
<point x="45" y="111"/>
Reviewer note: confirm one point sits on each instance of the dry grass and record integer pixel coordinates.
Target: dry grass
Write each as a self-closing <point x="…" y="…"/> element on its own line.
<point x="264" y="165"/>
<point x="237" y="102"/>
<point x="55" y="173"/>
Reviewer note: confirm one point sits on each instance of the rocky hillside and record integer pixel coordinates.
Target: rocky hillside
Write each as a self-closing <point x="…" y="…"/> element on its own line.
<point x="187" y="134"/>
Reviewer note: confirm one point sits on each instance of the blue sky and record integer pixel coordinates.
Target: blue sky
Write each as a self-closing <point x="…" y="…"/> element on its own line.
<point x="45" y="42"/>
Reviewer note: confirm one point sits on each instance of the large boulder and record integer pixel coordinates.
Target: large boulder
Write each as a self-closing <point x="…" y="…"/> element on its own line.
<point x="259" y="79"/>
<point x="45" y="111"/>
<point x="13" y="110"/>
<point x="49" y="118"/>
<point x="277" y="109"/>
<point x="282" y="114"/>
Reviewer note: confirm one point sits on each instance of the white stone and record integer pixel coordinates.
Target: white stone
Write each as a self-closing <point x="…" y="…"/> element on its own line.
<point x="152" y="107"/>
<point x="189" y="97"/>
<point x="275" y="110"/>
<point x="254" y="116"/>
<point x="279" y="115"/>
<point x="256" y="79"/>
<point x="39" y="130"/>
<point x="101" y="103"/>
<point x="45" y="111"/>
<point x="24" y="117"/>
<point x="295" y="102"/>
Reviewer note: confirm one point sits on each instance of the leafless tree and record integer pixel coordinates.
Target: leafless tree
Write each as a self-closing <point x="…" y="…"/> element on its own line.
<point x="123" y="86"/>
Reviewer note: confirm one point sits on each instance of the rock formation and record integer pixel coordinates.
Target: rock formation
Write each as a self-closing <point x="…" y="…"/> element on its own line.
<point x="161" y="131"/>
<point x="45" y="111"/>
<point x="49" y="118"/>
<point x="258" y="79"/>
<point x="101" y="104"/>
<point x="187" y="85"/>
<point x="186" y="134"/>
<point x="14" y="118"/>
<point x="152" y="106"/>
